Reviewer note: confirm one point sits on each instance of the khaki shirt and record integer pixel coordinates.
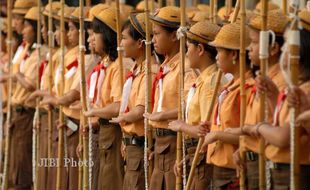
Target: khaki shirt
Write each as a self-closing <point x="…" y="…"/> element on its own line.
<point x="282" y="155"/>
<point x="137" y="97"/>
<point x="31" y="73"/>
<point x="253" y="108"/>
<point x="219" y="153"/>
<point x="171" y="88"/>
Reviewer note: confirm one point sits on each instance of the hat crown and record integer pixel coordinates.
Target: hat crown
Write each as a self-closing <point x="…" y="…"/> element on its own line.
<point x="108" y="16"/>
<point x="67" y="12"/>
<point x="33" y="13"/>
<point x="95" y="10"/>
<point x="276" y="21"/>
<point x="141" y="6"/>
<point x="76" y="13"/>
<point x="22" y="4"/>
<point x="138" y="22"/>
<point x="56" y="6"/>
<point x="170" y="14"/>
<point x="203" y="31"/>
<point x="271" y="6"/>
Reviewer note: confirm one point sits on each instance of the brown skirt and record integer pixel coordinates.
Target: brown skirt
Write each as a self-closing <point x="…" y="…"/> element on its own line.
<point x="252" y="175"/>
<point x="20" y="163"/>
<point x="163" y="177"/>
<point x="224" y="178"/>
<point x="111" y="171"/>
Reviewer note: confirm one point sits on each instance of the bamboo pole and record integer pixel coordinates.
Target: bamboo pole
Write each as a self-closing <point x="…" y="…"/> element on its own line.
<point x="214" y="16"/>
<point x="242" y="86"/>
<point x="160" y="3"/>
<point x="201" y="139"/>
<point x="36" y="119"/>
<point x="60" y="166"/>
<point x="262" y="116"/>
<point x="148" y="99"/>
<point x="9" y="108"/>
<point x="284" y="6"/>
<point x="294" y="48"/>
<point x="119" y="38"/>
<point x="209" y="114"/>
<point x="211" y="10"/>
<point x="83" y="95"/>
<point x="236" y="11"/>
<point x="50" y="79"/>
<point x="181" y="105"/>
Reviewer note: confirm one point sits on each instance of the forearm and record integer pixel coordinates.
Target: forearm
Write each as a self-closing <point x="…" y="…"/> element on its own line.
<point x="189" y="130"/>
<point x="170" y="115"/>
<point x="136" y="114"/>
<point x="25" y="83"/>
<point x="277" y="136"/>
<point x="108" y="112"/>
<point x="69" y="98"/>
<point x="227" y="137"/>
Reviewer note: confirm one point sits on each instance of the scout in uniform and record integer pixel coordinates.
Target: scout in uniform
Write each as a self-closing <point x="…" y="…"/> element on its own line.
<point x="133" y="101"/>
<point x="201" y="56"/>
<point x="219" y="144"/>
<point x="105" y="91"/>
<point x="277" y="134"/>
<point x="276" y="22"/>
<point x="165" y="24"/>
<point x="21" y="167"/>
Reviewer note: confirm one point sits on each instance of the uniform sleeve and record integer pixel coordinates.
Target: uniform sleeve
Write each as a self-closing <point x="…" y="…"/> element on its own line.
<point x="140" y="101"/>
<point x="116" y="89"/>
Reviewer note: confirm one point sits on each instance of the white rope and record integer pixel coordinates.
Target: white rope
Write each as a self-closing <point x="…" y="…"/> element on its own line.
<point x="146" y="128"/>
<point x="34" y="144"/>
<point x="65" y="147"/>
<point x="82" y="48"/>
<point x="147" y="42"/>
<point x="184" y="161"/>
<point x="181" y="32"/>
<point x="1" y="124"/>
<point x="120" y="48"/>
<point x="264" y="43"/>
<point x="9" y="41"/>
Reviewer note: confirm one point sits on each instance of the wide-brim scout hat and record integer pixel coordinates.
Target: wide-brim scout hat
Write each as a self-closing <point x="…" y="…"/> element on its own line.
<point x="75" y="15"/>
<point x="203" y="7"/>
<point x="141" y="6"/>
<point x="169" y="16"/>
<point x="56" y="6"/>
<point x="304" y="16"/>
<point x="33" y="14"/>
<point x="271" y="6"/>
<point x="190" y="12"/>
<point x="108" y="17"/>
<point x="203" y="32"/>
<point x="125" y="9"/>
<point x="200" y="16"/>
<point x="95" y="10"/>
<point x="224" y="13"/>
<point x="138" y="22"/>
<point x="229" y="37"/>
<point x="22" y="6"/>
<point x="67" y="13"/>
<point x="276" y="21"/>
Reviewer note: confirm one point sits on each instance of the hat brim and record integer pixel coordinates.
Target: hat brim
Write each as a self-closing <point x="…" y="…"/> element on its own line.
<point x="163" y="22"/>
<point x="20" y="11"/>
<point x="133" y="20"/>
<point x="222" y="45"/>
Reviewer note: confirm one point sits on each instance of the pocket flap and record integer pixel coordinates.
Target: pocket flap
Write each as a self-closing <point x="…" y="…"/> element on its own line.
<point x="133" y="164"/>
<point x="159" y="149"/>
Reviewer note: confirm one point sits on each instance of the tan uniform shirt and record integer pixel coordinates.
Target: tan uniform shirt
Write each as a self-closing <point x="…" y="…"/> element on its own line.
<point x="137" y="97"/>
<point x="282" y="155"/>
<point x="227" y="115"/>
<point x="253" y="107"/>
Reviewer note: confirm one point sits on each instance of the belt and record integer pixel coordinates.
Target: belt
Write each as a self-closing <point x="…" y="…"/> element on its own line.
<point x="191" y="143"/>
<point x="134" y="140"/>
<point x="21" y="109"/>
<point x="251" y="156"/>
<point x="165" y="132"/>
<point x="279" y="166"/>
<point x="104" y="122"/>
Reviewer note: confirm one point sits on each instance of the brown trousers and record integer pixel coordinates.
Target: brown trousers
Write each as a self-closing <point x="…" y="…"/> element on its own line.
<point x="163" y="177"/>
<point x="281" y="178"/>
<point x="96" y="161"/>
<point x="111" y="171"/>
<point x="43" y="142"/>
<point x="134" y="174"/>
<point x="203" y="171"/>
<point x="20" y="163"/>
<point x="224" y="179"/>
<point x="252" y="175"/>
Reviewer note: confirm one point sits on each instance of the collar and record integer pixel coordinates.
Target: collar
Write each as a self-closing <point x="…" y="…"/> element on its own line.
<point x="207" y="72"/>
<point x="172" y="63"/>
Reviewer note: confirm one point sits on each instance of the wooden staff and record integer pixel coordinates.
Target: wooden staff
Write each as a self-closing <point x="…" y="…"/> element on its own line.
<point x="209" y="114"/>
<point x="201" y="139"/>
<point x="36" y="119"/>
<point x="60" y="165"/>
<point x="214" y="11"/>
<point x="284" y="6"/>
<point x="8" y="116"/>
<point x="262" y="116"/>
<point x="211" y="10"/>
<point x="236" y="11"/>
<point x="50" y="79"/>
<point x="242" y="61"/>
<point x="148" y="98"/>
<point x="294" y="48"/>
<point x="119" y="38"/>
<point x="83" y="95"/>
<point x="181" y="105"/>
<point x="160" y="3"/>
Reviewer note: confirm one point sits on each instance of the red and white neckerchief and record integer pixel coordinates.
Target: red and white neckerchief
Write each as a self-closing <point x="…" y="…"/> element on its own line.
<point x="217" y="115"/>
<point x="22" y="64"/>
<point x="159" y="80"/>
<point x="72" y="68"/>
<point x="190" y="96"/>
<point x="280" y="101"/>
<point x="41" y="70"/>
<point x="95" y="81"/>
<point x="127" y="89"/>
